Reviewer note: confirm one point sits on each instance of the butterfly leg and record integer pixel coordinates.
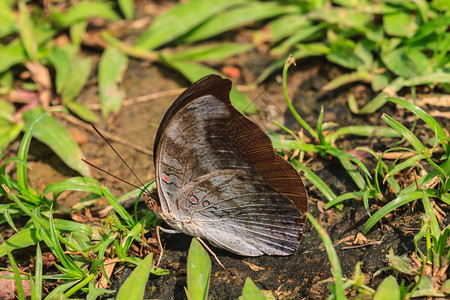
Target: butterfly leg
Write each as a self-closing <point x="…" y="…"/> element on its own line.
<point x="211" y="252"/>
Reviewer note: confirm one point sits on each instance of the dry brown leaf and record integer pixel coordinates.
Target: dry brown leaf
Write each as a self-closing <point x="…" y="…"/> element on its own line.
<point x="253" y="267"/>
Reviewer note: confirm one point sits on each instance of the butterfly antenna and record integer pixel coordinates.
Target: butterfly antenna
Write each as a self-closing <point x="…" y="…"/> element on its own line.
<point x="129" y="168"/>
<point x="110" y="174"/>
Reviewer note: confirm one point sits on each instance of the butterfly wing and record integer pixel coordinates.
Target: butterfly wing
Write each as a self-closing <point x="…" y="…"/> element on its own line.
<point x="219" y="178"/>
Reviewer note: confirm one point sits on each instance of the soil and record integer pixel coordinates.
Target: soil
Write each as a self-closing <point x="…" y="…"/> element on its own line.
<point x="303" y="275"/>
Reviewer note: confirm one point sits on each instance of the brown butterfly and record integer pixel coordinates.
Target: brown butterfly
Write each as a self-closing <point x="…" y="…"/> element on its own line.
<point x="218" y="177"/>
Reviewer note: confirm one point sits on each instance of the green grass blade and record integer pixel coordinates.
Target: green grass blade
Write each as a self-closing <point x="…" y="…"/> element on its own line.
<point x="434" y="224"/>
<point x="118" y="207"/>
<point x="316" y="181"/>
<point x="405" y="132"/>
<point x="279" y="142"/>
<point x="134" y="286"/>
<point x="297" y="117"/>
<point x="58" y="292"/>
<point x="363" y="131"/>
<point x="198" y="272"/>
<point x="65" y="260"/>
<point x="344" y="197"/>
<point x="17" y="277"/>
<point x="38" y="273"/>
<point x="79" y="285"/>
<point x="332" y="256"/>
<point x="346" y="161"/>
<point x="397" y="202"/>
<point x="83" y="184"/>
<point x="434" y="125"/>
<point x="410" y="162"/>
<point x="22" y="177"/>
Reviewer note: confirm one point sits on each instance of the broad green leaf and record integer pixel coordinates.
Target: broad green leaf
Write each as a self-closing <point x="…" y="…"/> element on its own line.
<point x="400" y="24"/>
<point x="9" y="131"/>
<point x="380" y="76"/>
<point x="77" y="31"/>
<point x="127" y="8"/>
<point x="22" y="239"/>
<point x="134" y="286"/>
<point x="304" y="50"/>
<point x="11" y="54"/>
<point x="399" y="63"/>
<point x="60" y="60"/>
<point x="429" y="29"/>
<point x="212" y="52"/>
<point x="371" y="107"/>
<point x="421" y="62"/>
<point x="280" y="28"/>
<point x="6" y="82"/>
<point x="388" y="289"/>
<point x="235" y="17"/>
<point x="26" y="29"/>
<point x="441" y="5"/>
<point x="343" y="17"/>
<point x="83" y="11"/>
<point x="347" y="78"/>
<point x="76" y="79"/>
<point x="426" y="288"/>
<point x="194" y="71"/>
<point x="113" y="64"/>
<point x="8" y="19"/>
<point x="342" y="53"/>
<point x="363" y="50"/>
<point x="436" y="77"/>
<point x="198" y="272"/>
<point x="181" y="19"/>
<point x="251" y="291"/>
<point x="82" y="111"/>
<point x="300" y="35"/>
<point x="56" y="137"/>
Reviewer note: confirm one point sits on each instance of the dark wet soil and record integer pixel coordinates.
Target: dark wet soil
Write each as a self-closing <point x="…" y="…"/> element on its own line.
<point x="300" y="276"/>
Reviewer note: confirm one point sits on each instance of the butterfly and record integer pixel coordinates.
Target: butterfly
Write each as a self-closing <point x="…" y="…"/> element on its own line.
<point x="219" y="179"/>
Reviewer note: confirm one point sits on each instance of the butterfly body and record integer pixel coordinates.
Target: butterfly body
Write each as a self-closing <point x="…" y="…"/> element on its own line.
<point x="219" y="179"/>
